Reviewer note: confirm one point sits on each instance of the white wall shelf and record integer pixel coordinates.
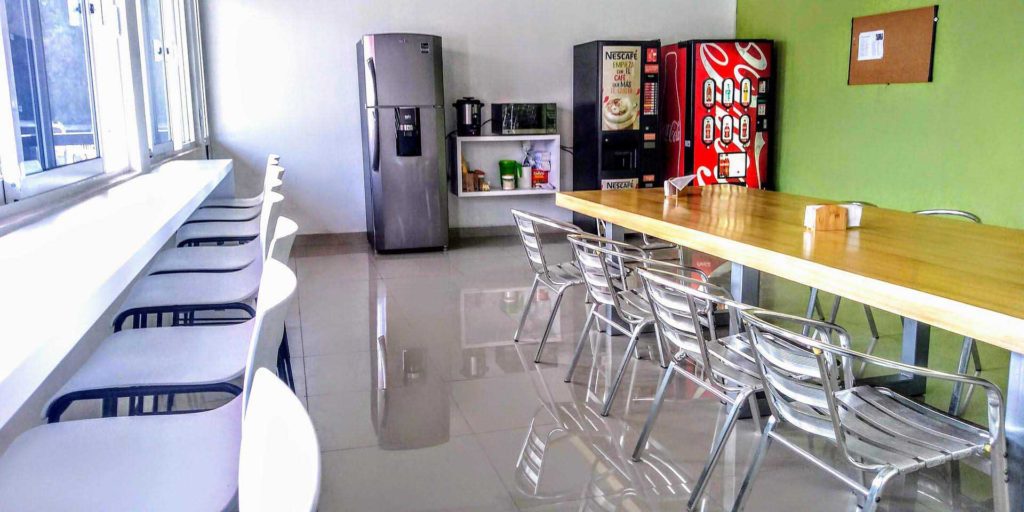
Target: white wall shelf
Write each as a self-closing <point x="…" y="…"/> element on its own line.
<point x="484" y="152"/>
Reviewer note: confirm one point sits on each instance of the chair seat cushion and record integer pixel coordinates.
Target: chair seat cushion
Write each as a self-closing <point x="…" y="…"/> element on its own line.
<point x="194" y="289"/>
<point x="152" y="463"/>
<point x="164" y="356"/>
<point x="205" y="258"/>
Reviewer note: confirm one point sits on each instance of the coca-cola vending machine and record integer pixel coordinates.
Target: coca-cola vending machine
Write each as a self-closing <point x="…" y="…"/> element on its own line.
<point x="717" y="115"/>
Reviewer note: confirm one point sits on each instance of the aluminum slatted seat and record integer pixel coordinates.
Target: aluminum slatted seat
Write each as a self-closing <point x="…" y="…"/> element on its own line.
<point x="875" y="430"/>
<point x="558" y="277"/>
<point x="608" y="269"/>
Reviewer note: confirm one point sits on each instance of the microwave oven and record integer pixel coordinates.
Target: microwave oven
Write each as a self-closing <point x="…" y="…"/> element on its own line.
<point x="524" y="118"/>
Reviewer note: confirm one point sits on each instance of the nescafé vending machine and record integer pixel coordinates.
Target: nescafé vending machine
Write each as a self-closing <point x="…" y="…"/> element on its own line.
<point x="616" y="141"/>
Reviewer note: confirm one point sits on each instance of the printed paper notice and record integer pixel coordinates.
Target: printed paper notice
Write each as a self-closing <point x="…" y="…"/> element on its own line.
<point x="871" y="45"/>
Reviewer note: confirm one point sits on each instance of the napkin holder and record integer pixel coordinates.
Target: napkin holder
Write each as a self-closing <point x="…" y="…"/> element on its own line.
<point x="832" y="217"/>
<point x="675" y="185"/>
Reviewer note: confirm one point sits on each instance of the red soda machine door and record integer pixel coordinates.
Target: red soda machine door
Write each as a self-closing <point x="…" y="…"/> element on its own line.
<point x="731" y="92"/>
<point x="673" y="112"/>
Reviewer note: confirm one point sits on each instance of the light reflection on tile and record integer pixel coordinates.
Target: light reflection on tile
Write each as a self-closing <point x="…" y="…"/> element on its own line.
<point x="422" y="401"/>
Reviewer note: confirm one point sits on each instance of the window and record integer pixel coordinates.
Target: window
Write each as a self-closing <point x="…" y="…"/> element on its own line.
<point x="50" y="85"/>
<point x="80" y="97"/>
<point x="167" y="37"/>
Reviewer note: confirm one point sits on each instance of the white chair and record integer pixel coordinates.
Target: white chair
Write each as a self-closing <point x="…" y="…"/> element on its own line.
<point x="165" y="361"/>
<point x="222" y="258"/>
<point x="163" y="462"/>
<point x="279" y="464"/>
<point x="241" y="202"/>
<point x="223" y="232"/>
<point x="272" y="182"/>
<point x="182" y="295"/>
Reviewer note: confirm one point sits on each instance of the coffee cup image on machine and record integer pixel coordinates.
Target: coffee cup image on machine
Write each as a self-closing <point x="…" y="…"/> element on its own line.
<point x="620" y="113"/>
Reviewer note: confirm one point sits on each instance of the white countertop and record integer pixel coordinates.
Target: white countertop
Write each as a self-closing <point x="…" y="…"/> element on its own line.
<point x="60" y="274"/>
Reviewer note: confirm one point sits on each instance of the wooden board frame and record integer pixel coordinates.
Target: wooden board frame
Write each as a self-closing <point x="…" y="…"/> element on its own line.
<point x="908" y="47"/>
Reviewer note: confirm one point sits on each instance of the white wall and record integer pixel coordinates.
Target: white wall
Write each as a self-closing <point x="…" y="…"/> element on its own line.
<point x="282" y="78"/>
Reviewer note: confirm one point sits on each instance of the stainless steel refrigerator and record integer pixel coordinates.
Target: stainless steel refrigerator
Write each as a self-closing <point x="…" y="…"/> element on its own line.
<point x="402" y="94"/>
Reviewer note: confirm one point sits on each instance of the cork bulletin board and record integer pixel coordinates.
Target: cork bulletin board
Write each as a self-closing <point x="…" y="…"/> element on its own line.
<point x="892" y="48"/>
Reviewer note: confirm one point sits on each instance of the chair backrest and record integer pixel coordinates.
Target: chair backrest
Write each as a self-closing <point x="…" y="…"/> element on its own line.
<point x="606" y="265"/>
<point x="270" y="212"/>
<point x="277" y="290"/>
<point x="684" y="310"/>
<point x="529" y="226"/>
<point x="279" y="460"/>
<point x="284" y="238"/>
<point x="801" y="374"/>
<point x="951" y="213"/>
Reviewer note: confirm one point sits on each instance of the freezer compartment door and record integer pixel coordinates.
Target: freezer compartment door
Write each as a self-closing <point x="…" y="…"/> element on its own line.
<point x="409" y="192"/>
<point x="402" y="69"/>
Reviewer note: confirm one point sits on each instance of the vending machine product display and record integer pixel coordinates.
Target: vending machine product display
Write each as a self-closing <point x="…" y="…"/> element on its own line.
<point x="717" y="114"/>
<point x="616" y="112"/>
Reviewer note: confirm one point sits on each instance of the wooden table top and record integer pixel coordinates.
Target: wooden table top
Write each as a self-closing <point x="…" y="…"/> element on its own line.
<point x="949" y="273"/>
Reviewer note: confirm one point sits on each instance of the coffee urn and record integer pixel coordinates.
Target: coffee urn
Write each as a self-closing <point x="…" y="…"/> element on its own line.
<point x="467" y="114"/>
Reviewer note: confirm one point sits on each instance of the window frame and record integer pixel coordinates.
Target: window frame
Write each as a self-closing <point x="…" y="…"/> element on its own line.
<point x="16" y="183"/>
<point x="184" y="88"/>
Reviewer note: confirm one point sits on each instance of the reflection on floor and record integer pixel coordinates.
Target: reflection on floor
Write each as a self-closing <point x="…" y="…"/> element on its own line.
<point x="422" y="402"/>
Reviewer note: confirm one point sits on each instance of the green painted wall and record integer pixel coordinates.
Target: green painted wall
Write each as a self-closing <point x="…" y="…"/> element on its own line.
<point x="957" y="142"/>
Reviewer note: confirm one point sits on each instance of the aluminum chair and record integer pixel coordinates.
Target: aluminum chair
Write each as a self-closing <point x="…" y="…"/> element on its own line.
<point x="607" y="267"/>
<point x="165" y="361"/>
<point x="558" y="277"/>
<point x="874" y="429"/>
<point x="683" y="310"/>
<point x="648" y="243"/>
<point x="163" y="462"/>
<point x="958" y="400"/>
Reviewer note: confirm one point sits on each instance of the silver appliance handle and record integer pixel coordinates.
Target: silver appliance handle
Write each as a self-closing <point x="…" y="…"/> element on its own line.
<point x="375" y="118"/>
<point x="374" y="139"/>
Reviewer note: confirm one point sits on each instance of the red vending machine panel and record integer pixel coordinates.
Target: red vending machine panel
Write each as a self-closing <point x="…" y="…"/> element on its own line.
<point x="717" y="110"/>
<point x="731" y="87"/>
<point x="673" y="94"/>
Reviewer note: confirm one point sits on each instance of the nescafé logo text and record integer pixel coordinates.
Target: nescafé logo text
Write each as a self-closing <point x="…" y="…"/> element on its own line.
<point x="621" y="55"/>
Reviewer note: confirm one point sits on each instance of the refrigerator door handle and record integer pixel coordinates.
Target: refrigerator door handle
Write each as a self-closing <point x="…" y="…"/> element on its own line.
<point x="374" y="140"/>
<point x="375" y="121"/>
<point x="371" y="71"/>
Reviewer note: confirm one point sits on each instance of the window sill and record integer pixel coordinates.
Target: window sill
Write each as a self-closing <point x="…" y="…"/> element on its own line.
<point x="192" y="149"/>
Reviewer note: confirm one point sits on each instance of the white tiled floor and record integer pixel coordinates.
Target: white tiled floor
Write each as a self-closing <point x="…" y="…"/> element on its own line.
<point x="447" y="415"/>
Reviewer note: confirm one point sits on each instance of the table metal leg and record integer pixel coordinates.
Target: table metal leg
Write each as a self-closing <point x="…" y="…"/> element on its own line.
<point x="916" y="340"/>
<point x="1015" y="427"/>
<point x="745" y="288"/>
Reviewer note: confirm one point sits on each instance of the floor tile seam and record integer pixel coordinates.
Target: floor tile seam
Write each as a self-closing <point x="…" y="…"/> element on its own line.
<point x="350" y="448"/>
